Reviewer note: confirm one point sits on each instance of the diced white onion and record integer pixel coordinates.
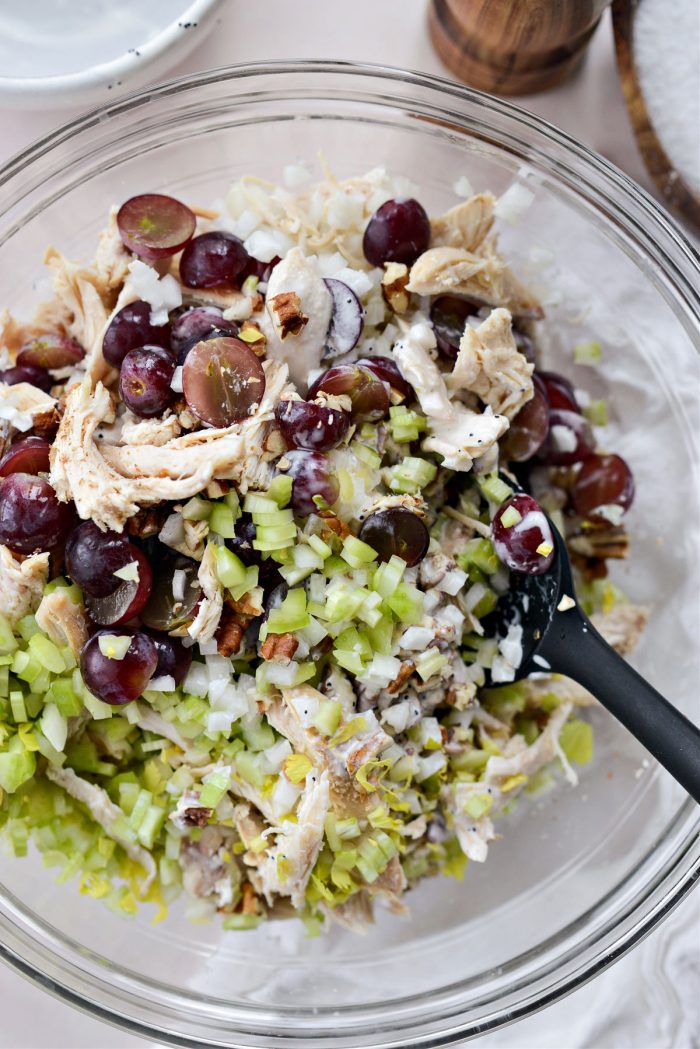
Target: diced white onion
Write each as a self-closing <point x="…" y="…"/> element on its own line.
<point x="162" y="294"/>
<point x="176" y="381"/>
<point x="452" y="582"/>
<point x="514" y="203"/>
<point x="164" y="683"/>
<point x="416" y="638"/>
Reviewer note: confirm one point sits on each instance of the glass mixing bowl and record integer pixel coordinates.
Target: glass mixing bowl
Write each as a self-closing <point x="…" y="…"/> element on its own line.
<point x="579" y="875"/>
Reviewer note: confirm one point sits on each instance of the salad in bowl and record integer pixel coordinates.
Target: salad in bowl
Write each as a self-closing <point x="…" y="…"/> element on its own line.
<point x="266" y="471"/>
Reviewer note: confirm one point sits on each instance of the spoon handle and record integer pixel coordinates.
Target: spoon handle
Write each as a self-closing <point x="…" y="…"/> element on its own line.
<point x="574" y="647"/>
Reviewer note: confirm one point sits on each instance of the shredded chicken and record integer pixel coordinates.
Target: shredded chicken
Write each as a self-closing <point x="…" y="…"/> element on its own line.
<point x="151" y="721"/>
<point x="207" y="865"/>
<point x="413" y="353"/>
<point x="207" y="619"/>
<point x="466" y="225"/>
<point x="21" y="583"/>
<point x="622" y="626"/>
<point x="356" y="913"/>
<point x="466" y="436"/>
<point x="64" y="621"/>
<point x="301" y="349"/>
<point x="109" y="484"/>
<point x="104" y="812"/>
<point x="490" y="365"/>
<point x="111" y="259"/>
<point x="286" y="868"/>
<point x="482" y="276"/>
<point x="155" y="432"/>
<point x="13" y="334"/>
<point x="77" y="289"/>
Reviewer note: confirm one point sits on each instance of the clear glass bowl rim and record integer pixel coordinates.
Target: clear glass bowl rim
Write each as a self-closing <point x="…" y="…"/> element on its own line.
<point x="621" y="919"/>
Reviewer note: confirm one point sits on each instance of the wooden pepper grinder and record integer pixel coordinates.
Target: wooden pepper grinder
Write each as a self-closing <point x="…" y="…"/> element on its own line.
<point x="513" y="47"/>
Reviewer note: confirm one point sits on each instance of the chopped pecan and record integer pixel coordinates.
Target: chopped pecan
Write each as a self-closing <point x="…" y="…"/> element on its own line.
<point x="394" y="283"/>
<point x="601" y="542"/>
<point x="229" y="634"/>
<point x="46" y="423"/>
<point x="287" y="309"/>
<point x="255" y="339"/>
<point x="334" y="524"/>
<point x="196" y="816"/>
<point x="250" y="900"/>
<point x="407" y="668"/>
<point x="147" y="522"/>
<point x="279" y="648"/>
<point x="274" y="443"/>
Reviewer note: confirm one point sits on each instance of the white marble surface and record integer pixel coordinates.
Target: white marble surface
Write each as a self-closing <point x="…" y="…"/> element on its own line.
<point x="649" y="1000"/>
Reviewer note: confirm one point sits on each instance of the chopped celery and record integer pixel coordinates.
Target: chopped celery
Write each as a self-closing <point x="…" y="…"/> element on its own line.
<point x="366" y="455"/>
<point x="478" y="805"/>
<point x="54" y="726"/>
<point x="28" y="626"/>
<point x="241" y="921"/>
<point x="297" y="767"/>
<point x="254" y="503"/>
<point x="588" y="353"/>
<point x="479" y="552"/>
<point x="576" y="740"/>
<point x="258" y="735"/>
<point x="17" y="765"/>
<point x="281" y="489"/>
<point x="197" y="509"/>
<point x="388" y="576"/>
<point x="318" y="546"/>
<point x="221" y="521"/>
<point x="430" y="662"/>
<point x="597" y="413"/>
<point x="412" y="474"/>
<point x="486" y="604"/>
<point x="405" y="425"/>
<point x="17" y="706"/>
<point x="7" y="639"/>
<point x="249" y="767"/>
<point x="291" y="614"/>
<point x="357" y="553"/>
<point x="328" y="716"/>
<point x="494" y="489"/>
<point x="406" y="602"/>
<point x="214" y="787"/>
<point x="230" y="570"/>
<point x="352" y="728"/>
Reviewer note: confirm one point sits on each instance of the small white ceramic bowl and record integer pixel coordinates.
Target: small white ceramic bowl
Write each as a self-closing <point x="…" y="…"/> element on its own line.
<point x="80" y="52"/>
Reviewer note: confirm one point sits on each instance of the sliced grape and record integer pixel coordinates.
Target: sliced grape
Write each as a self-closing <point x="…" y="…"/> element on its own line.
<point x="26" y="373"/>
<point x="118" y="681"/>
<point x="212" y="259"/>
<point x="313" y="480"/>
<point x="155" y="226"/>
<point x="528" y="430"/>
<point x="222" y="380"/>
<point x="50" y="351"/>
<point x="93" y="556"/>
<point x="449" y="315"/>
<point x="368" y="394"/>
<point x="31" y="516"/>
<point x="28" y="456"/>
<point x="128" y="599"/>
<point x="560" y="392"/>
<point x="399" y="231"/>
<point x="387" y="370"/>
<point x="305" y="424"/>
<point x="197" y="324"/>
<point x="603" y="481"/>
<point x="569" y="439"/>
<point x="175" y="595"/>
<point x="347" y="319"/>
<point x="526" y="345"/>
<point x="525" y="543"/>
<point x="396" y="531"/>
<point x="145" y="379"/>
<point x="174" y="660"/>
<point x="131" y="328"/>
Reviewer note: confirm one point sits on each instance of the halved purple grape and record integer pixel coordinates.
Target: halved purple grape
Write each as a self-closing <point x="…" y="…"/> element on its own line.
<point x="526" y="345"/>
<point x="93" y="556"/>
<point x="368" y="394"/>
<point x="212" y="259"/>
<point x="31" y="516"/>
<point x="197" y="324"/>
<point x="128" y="599"/>
<point x="155" y="226"/>
<point x="449" y="315"/>
<point x="347" y="319"/>
<point x="305" y="424"/>
<point x="144" y="382"/>
<point x="396" y="531"/>
<point x="603" y="480"/>
<point x="175" y="595"/>
<point x="28" y="456"/>
<point x="388" y="371"/>
<point x="27" y="373"/>
<point x="50" y="351"/>
<point x="256" y="268"/>
<point x="222" y="380"/>
<point x="315" y="485"/>
<point x="174" y="660"/>
<point x="399" y="231"/>
<point x="560" y="392"/>
<point x="569" y="439"/>
<point x="118" y="681"/>
<point x="131" y="328"/>
<point x="527" y="545"/>
<point x="528" y="429"/>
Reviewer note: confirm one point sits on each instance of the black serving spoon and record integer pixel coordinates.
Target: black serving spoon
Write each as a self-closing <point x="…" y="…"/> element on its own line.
<point x="559" y="637"/>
